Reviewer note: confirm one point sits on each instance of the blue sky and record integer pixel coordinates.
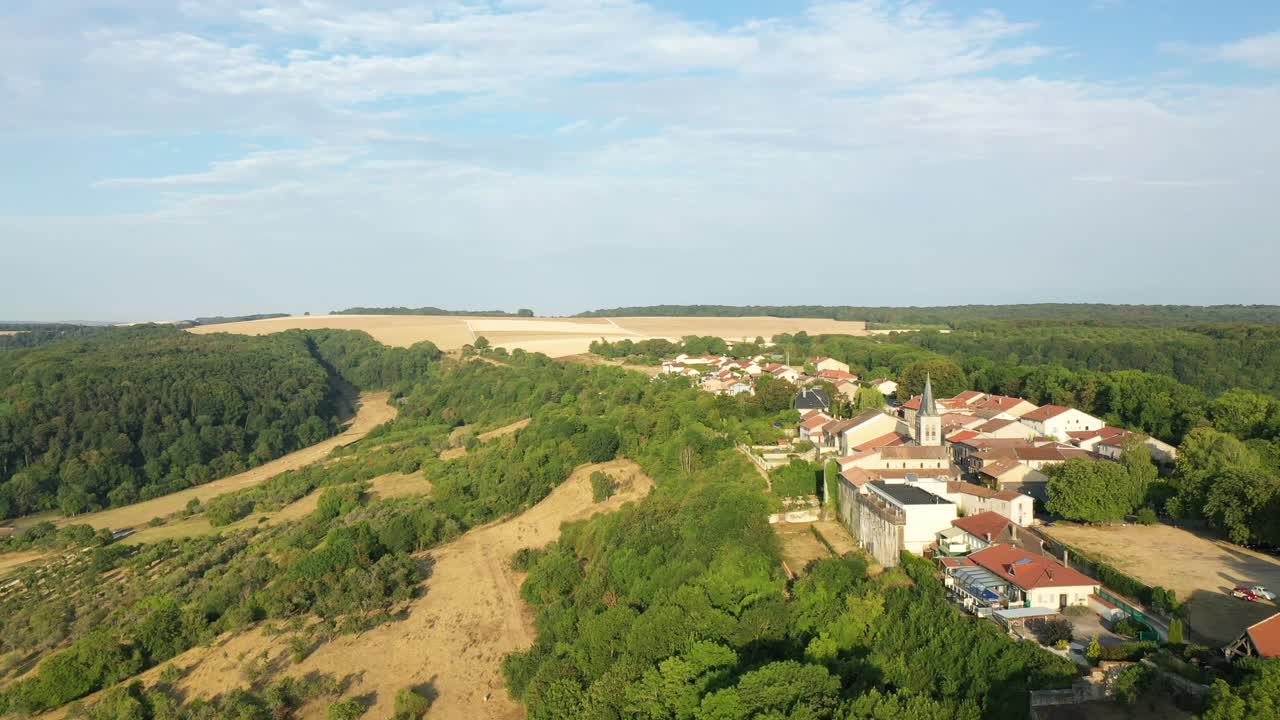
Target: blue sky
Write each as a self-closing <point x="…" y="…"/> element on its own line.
<point x="165" y="160"/>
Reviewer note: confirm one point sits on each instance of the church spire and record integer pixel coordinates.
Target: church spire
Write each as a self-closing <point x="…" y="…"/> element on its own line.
<point x="927" y="405"/>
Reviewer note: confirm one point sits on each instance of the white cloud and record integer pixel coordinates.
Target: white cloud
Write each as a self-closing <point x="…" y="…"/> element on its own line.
<point x="1261" y="51"/>
<point x="1258" y="51"/>
<point x="569" y="131"/>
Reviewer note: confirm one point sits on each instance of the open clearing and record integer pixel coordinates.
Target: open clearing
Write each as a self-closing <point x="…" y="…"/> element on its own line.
<point x="1201" y="569"/>
<point x="556" y="337"/>
<point x="452" y="638"/>
<point x="372" y="410"/>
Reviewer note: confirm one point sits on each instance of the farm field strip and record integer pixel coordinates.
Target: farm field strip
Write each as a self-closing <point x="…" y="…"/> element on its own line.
<point x="555" y="337"/>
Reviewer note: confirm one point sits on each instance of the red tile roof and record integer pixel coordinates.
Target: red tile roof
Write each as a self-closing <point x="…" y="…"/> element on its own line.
<point x="996" y="468"/>
<point x="994" y="425"/>
<point x="958" y="486"/>
<point x="1029" y="571"/>
<point x="953" y="562"/>
<point x="815" y="421"/>
<point x="961" y="436"/>
<point x="1048" y="412"/>
<point x="916" y="452"/>
<point x="887" y="440"/>
<point x="1265" y="636"/>
<point x="984" y="524"/>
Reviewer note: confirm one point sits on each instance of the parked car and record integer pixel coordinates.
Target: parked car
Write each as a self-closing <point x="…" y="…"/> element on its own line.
<point x="1262" y="592"/>
<point x="1245" y="593"/>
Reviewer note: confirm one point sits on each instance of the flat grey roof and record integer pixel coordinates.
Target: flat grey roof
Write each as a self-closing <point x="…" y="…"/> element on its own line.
<point x="910" y="494"/>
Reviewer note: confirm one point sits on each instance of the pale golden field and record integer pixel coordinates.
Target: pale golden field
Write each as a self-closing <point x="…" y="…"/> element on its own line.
<point x="555" y="337"/>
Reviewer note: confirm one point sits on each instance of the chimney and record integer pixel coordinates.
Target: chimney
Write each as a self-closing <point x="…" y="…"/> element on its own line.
<point x="988" y="538"/>
<point x="1066" y="558"/>
<point x="1013" y="530"/>
<point x="1049" y="571"/>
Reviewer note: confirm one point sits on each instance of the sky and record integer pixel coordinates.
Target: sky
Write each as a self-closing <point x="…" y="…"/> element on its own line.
<point x="164" y="159"/>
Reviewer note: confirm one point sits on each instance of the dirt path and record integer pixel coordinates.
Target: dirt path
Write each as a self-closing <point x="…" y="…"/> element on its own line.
<point x="14" y="560"/>
<point x="453" y="637"/>
<point x="372" y="410"/>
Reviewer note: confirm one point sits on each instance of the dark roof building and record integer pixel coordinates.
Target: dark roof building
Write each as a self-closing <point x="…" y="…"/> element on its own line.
<point x="812" y="399"/>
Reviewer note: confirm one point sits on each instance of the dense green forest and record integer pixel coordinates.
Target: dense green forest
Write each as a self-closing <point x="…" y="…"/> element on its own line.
<point x="27" y="336"/>
<point x="133" y="413"/>
<point x="672" y="606"/>
<point x="428" y="310"/>
<point x="955" y="315"/>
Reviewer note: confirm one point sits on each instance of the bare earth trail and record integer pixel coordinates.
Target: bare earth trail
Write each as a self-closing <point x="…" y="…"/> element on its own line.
<point x="452" y="638"/>
<point x="372" y="410"/>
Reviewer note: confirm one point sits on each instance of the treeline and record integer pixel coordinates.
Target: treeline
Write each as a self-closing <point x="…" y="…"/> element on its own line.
<point x="29" y="336"/>
<point x="959" y="315"/>
<point x="1212" y="358"/>
<point x="222" y="319"/>
<point x="133" y="413"/>
<point x="428" y="310"/>
<point x="655" y="350"/>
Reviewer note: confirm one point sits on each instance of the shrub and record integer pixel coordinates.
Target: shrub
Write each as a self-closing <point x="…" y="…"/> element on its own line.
<point x="1051" y="631"/>
<point x="345" y="710"/>
<point x="603" y="486"/>
<point x="1094" y="651"/>
<point x="1131" y="683"/>
<point x="410" y="705"/>
<point x="1129" y="627"/>
<point x="1127" y="651"/>
<point x="800" y="477"/>
<point x="524" y="559"/>
<point x="1175" y="632"/>
<point x="1147" y="516"/>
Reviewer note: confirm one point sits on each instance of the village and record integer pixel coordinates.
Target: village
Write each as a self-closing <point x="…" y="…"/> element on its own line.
<point x="962" y="481"/>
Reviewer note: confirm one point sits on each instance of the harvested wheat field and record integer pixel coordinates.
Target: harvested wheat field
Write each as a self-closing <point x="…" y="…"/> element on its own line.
<point x="373" y="409"/>
<point x="1201" y="569"/>
<point x="452" y="638"/>
<point x="556" y="337"/>
<point x="11" y="332"/>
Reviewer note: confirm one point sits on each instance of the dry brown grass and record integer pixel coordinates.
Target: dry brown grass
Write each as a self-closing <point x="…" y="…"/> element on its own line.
<point x="799" y="546"/>
<point x="453" y="637"/>
<point x="373" y="409"/>
<point x="456" y="437"/>
<point x="556" y="337"/>
<point x="1201" y="569"/>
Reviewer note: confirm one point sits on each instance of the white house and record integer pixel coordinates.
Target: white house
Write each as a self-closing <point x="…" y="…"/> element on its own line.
<point x="884" y="385"/>
<point x="826" y="363"/>
<point x="1058" y="421"/>
<point x="1035" y="580"/>
<point x="889" y="518"/>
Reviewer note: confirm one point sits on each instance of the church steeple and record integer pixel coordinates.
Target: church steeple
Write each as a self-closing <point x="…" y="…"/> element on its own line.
<point x="927" y="406"/>
<point x="928" y="425"/>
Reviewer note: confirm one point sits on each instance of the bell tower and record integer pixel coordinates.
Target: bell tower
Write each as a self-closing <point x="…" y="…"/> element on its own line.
<point x="928" y="423"/>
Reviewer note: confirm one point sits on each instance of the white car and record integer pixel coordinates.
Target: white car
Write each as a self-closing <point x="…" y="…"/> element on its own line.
<point x="1263" y="592"/>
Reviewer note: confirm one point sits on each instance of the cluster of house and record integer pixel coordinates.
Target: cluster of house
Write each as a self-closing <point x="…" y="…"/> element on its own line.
<point x="725" y="375"/>
<point x="994" y="440"/>
<point x="956" y="479"/>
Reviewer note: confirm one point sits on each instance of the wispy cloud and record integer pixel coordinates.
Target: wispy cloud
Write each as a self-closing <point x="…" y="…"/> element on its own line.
<point x="1258" y="51"/>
